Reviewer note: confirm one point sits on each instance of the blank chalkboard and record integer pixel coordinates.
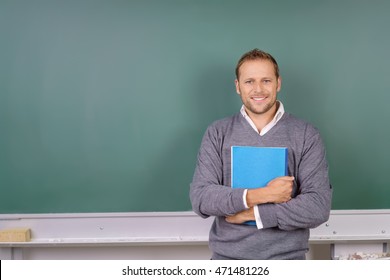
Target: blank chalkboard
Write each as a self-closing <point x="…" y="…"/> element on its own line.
<point x="103" y="104"/>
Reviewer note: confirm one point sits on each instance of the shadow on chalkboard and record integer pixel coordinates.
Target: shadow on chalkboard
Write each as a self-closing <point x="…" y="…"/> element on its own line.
<point x="306" y="96"/>
<point x="213" y="97"/>
<point x="216" y="94"/>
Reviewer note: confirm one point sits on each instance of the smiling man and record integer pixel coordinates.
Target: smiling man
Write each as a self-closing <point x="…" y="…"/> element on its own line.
<point x="258" y="84"/>
<point x="287" y="207"/>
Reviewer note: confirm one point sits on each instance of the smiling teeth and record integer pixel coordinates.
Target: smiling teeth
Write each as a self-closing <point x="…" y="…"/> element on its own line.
<point x="258" y="98"/>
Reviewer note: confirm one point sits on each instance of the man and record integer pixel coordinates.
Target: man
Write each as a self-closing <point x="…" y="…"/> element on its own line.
<point x="288" y="206"/>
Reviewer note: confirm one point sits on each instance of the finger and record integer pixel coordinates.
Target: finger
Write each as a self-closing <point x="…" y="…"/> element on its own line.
<point x="230" y="220"/>
<point x="287" y="178"/>
<point x="283" y="178"/>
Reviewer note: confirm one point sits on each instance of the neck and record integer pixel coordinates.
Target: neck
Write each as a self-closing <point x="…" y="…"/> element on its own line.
<point x="261" y="120"/>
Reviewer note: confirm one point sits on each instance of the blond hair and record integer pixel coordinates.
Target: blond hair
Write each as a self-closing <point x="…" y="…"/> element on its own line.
<point x="254" y="55"/>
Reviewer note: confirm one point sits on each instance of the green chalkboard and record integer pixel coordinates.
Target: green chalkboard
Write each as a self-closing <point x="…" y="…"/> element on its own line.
<point x="103" y="104"/>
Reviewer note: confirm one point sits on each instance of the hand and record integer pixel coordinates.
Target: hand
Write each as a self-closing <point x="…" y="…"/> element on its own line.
<point x="277" y="191"/>
<point x="241" y="217"/>
<point x="280" y="189"/>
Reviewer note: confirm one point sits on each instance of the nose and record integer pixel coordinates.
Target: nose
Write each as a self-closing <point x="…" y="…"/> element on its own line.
<point x="257" y="87"/>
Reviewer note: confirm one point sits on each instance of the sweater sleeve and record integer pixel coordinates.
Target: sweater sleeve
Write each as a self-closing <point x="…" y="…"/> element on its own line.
<point x="208" y="195"/>
<point x="311" y="206"/>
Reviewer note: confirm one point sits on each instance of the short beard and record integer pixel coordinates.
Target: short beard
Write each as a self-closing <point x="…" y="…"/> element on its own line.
<point x="264" y="110"/>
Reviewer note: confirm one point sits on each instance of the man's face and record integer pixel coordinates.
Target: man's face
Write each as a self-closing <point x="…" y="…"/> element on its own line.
<point x="258" y="86"/>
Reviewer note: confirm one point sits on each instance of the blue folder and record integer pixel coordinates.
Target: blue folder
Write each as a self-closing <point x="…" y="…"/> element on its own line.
<point x="255" y="167"/>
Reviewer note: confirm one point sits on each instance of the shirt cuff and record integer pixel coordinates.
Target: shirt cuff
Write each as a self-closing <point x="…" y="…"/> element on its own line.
<point x="259" y="223"/>
<point x="244" y="198"/>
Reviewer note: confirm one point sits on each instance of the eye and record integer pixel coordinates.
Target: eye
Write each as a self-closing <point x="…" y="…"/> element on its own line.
<point x="249" y="82"/>
<point x="267" y="81"/>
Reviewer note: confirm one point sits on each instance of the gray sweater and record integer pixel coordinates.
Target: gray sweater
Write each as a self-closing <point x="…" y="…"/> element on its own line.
<point x="286" y="225"/>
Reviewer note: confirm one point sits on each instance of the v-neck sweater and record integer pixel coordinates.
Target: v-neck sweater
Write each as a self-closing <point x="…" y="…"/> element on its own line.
<point x="286" y="226"/>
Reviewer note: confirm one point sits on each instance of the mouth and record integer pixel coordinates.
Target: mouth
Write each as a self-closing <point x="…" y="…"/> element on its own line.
<point x="258" y="98"/>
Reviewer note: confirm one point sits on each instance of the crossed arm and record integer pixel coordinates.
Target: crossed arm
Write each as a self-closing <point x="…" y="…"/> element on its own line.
<point x="277" y="191"/>
<point x="309" y="207"/>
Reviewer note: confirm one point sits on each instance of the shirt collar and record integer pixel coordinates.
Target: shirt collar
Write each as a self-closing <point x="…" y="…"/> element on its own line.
<point x="279" y="114"/>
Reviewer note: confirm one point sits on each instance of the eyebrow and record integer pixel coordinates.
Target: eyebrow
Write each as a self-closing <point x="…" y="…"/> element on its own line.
<point x="263" y="78"/>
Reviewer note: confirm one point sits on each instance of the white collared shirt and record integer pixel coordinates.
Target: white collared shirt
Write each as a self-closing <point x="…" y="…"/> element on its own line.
<point x="279" y="114"/>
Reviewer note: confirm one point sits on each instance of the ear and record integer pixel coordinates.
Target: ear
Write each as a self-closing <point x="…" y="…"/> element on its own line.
<point x="279" y="84"/>
<point x="237" y="87"/>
